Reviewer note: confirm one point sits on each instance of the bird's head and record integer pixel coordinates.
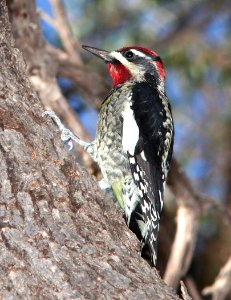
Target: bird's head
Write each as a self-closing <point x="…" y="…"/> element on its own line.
<point x="131" y="64"/>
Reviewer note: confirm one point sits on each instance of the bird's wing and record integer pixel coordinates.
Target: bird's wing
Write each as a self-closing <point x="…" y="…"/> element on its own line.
<point x="149" y="181"/>
<point x="151" y="156"/>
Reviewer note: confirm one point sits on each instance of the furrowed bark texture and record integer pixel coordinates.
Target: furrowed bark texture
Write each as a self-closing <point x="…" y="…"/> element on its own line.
<point x="60" y="237"/>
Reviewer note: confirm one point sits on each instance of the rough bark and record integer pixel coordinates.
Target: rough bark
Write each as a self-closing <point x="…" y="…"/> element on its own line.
<point x="61" y="238"/>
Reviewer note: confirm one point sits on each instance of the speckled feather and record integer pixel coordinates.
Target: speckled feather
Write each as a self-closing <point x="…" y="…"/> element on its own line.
<point x="116" y="165"/>
<point x="134" y="141"/>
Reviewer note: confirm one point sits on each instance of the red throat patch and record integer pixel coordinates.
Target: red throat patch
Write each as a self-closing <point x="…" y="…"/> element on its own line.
<point x="119" y="73"/>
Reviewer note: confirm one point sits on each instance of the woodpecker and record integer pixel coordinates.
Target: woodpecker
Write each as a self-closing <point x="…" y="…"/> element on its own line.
<point x="134" y="139"/>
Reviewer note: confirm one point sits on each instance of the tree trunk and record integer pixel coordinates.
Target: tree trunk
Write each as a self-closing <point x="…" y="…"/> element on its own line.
<point x="61" y="238"/>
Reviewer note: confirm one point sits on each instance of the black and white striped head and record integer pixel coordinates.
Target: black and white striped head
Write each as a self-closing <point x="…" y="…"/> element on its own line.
<point x="131" y="63"/>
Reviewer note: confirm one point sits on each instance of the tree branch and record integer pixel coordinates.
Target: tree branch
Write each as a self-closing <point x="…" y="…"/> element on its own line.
<point x="91" y="86"/>
<point x="70" y="44"/>
<point x="187" y="226"/>
<point x="184" y="291"/>
<point x="221" y="287"/>
<point x="192" y="288"/>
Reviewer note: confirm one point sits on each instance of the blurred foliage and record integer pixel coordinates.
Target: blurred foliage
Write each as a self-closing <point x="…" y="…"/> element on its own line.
<point x="194" y="40"/>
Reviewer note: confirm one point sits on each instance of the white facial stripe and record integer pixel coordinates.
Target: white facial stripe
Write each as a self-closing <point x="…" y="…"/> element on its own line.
<point x="123" y="60"/>
<point x="136" y="71"/>
<point x="138" y="53"/>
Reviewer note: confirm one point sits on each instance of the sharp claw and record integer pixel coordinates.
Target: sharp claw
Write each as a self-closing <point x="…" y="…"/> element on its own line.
<point x="68" y="144"/>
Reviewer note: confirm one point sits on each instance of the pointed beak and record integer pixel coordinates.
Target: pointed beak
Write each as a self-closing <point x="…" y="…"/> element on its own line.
<point x="105" y="55"/>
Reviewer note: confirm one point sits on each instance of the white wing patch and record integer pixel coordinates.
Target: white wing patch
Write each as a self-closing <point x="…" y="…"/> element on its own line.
<point x="130" y="131"/>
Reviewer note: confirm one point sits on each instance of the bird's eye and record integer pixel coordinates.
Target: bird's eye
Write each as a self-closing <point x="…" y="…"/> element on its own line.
<point x="129" y="54"/>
